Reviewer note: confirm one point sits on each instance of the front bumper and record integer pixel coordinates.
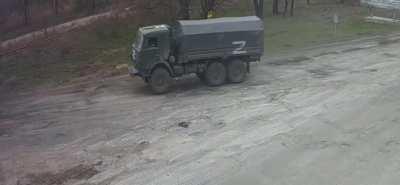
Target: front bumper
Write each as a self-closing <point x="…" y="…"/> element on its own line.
<point x="133" y="71"/>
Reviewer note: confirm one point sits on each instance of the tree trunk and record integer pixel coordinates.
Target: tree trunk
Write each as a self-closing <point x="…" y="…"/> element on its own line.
<point x="93" y="6"/>
<point x="26" y="12"/>
<point x="184" y="9"/>
<point x="286" y="7"/>
<point x="261" y="11"/>
<point x="56" y="7"/>
<point x="206" y="7"/>
<point x="259" y="8"/>
<point x="275" y="7"/>
<point x="292" y="8"/>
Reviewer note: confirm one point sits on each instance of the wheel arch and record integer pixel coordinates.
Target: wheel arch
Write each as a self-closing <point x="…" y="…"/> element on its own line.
<point x="164" y="65"/>
<point x="243" y="58"/>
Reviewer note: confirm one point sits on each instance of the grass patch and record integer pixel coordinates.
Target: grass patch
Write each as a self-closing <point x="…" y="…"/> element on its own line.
<point x="313" y="24"/>
<point x="287" y="34"/>
<point x="94" y="49"/>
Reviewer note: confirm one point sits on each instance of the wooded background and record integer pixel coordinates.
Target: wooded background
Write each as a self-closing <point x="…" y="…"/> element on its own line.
<point x="23" y="16"/>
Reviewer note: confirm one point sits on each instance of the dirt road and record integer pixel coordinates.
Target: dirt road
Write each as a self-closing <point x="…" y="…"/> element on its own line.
<point x="328" y="115"/>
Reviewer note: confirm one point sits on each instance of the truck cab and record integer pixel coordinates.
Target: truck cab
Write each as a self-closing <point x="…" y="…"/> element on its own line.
<point x="152" y="48"/>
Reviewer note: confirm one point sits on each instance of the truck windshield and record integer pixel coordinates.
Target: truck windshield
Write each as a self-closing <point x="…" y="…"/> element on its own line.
<point x="139" y="41"/>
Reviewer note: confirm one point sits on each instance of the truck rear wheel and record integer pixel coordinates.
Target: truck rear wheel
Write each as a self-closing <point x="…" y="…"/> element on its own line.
<point x="236" y="71"/>
<point x="215" y="75"/>
<point x="160" y="80"/>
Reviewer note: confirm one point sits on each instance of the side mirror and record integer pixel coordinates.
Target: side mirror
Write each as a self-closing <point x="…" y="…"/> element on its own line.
<point x="171" y="59"/>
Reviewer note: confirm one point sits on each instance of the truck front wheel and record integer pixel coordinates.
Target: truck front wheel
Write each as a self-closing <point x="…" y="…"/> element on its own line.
<point x="215" y="74"/>
<point x="160" y="80"/>
<point x="236" y="71"/>
<point x="201" y="76"/>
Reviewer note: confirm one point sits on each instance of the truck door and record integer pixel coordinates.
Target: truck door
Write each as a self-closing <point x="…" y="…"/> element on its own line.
<point x="151" y="52"/>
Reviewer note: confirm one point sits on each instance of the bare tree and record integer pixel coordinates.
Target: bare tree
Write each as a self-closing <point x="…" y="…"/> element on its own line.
<point x="26" y="9"/>
<point x="292" y="5"/>
<point x="259" y="8"/>
<point x="286" y="7"/>
<point x="153" y="5"/>
<point x="275" y="7"/>
<point x="56" y="6"/>
<point x="91" y="6"/>
<point x="207" y="6"/>
<point x="184" y="9"/>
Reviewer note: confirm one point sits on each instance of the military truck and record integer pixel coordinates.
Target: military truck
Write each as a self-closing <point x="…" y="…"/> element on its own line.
<point x="217" y="50"/>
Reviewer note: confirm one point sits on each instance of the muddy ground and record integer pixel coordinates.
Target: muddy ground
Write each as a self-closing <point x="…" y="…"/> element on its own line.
<point x="325" y="115"/>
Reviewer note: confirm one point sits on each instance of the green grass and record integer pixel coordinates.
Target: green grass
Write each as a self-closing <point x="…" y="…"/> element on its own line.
<point x="98" y="48"/>
<point x="286" y="34"/>
<point x="110" y="43"/>
<point x="313" y="25"/>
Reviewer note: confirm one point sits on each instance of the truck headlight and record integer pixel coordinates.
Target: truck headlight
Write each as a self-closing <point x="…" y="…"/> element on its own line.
<point x="133" y="54"/>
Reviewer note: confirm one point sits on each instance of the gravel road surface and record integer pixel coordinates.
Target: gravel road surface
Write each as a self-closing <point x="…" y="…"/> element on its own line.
<point x="327" y="115"/>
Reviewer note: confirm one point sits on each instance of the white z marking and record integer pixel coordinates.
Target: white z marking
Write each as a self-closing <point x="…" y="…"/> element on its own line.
<point x="239" y="50"/>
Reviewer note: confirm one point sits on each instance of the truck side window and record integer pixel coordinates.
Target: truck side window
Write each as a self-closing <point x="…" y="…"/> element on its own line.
<point x="153" y="42"/>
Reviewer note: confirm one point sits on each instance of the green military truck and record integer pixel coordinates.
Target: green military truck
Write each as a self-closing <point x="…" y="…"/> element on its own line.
<point x="217" y="50"/>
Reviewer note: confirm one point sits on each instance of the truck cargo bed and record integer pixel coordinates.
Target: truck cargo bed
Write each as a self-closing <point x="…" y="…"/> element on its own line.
<point x="219" y="38"/>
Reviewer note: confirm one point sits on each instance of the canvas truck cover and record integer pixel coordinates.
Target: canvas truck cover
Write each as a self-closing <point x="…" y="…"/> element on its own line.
<point x="221" y="37"/>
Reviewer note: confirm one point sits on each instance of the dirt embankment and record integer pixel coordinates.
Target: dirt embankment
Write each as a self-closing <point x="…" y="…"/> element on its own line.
<point x="24" y="41"/>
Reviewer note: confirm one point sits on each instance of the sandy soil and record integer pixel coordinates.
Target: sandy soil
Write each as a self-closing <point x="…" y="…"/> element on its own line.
<point x="325" y="115"/>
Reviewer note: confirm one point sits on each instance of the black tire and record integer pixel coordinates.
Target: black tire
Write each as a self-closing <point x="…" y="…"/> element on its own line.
<point x="160" y="80"/>
<point x="237" y="71"/>
<point x="201" y="76"/>
<point x="215" y="75"/>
